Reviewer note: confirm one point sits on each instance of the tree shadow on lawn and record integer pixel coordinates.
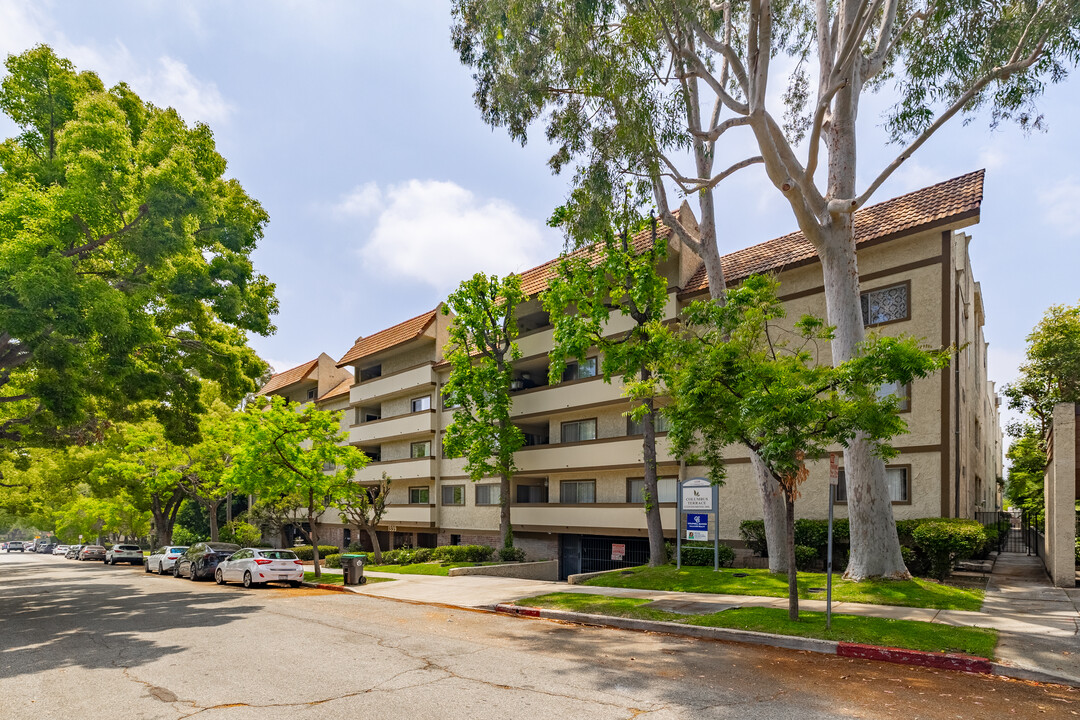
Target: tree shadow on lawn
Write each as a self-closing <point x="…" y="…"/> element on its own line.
<point x="48" y="623"/>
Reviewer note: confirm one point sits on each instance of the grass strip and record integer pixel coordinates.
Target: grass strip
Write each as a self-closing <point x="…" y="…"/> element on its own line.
<point x="428" y="568"/>
<point x="908" y="634"/>
<point x="338" y="579"/>
<point x="916" y="592"/>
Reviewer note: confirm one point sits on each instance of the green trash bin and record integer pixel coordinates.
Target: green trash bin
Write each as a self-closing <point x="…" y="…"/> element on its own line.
<point x="352" y="567"/>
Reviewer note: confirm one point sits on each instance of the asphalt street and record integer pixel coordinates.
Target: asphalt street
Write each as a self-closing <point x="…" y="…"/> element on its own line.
<point x="81" y="640"/>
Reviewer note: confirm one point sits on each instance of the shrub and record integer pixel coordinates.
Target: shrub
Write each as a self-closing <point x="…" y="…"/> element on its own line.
<point x="805" y="557"/>
<point x="407" y="556"/>
<point x="241" y="533"/>
<point x="944" y="542"/>
<point x="462" y="553"/>
<point x="915" y="560"/>
<point x="182" y="536"/>
<point x="333" y="560"/>
<point x="305" y="553"/>
<point x="1078" y="551"/>
<point x="511" y="554"/>
<point x="812" y="534"/>
<point x="753" y="534"/>
<point x="701" y="554"/>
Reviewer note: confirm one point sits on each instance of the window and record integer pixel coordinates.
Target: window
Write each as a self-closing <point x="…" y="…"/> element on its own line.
<point x="421" y="403"/>
<point x="573" y="492"/>
<point x="896" y="478"/>
<point x="978" y="435"/>
<point x="902" y="391"/>
<point x="580" y="370"/>
<point x="488" y="494"/>
<point x="420" y="449"/>
<point x="885" y="305"/>
<point x="455" y="539"/>
<point x="579" y="430"/>
<point x="453" y="495"/>
<point x="419" y="496"/>
<point x="329" y="465"/>
<point x="532" y="493"/>
<point x="665" y="488"/>
<point x="311" y="394"/>
<point x="369" y="373"/>
<point x="638" y="428"/>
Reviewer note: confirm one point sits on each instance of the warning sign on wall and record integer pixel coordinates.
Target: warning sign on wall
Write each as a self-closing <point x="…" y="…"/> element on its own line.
<point x="618" y="551"/>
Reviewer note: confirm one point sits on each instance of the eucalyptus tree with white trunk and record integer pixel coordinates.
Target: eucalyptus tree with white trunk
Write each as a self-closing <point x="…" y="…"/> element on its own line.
<point x="636" y="86"/>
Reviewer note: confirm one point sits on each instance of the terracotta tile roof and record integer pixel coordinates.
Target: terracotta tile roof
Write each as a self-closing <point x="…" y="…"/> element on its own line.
<point x="536" y="280"/>
<point x="341" y="389"/>
<point x="288" y="377"/>
<point x="922" y="209"/>
<point x="388" y="338"/>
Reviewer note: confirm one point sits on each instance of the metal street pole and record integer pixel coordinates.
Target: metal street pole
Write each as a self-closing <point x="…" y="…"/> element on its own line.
<point x="678" y="526"/>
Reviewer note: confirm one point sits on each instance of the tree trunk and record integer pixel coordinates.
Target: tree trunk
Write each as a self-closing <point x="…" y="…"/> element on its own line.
<point x="375" y="547"/>
<point x="657" y="551"/>
<point x="789" y="551"/>
<point x="773" y="512"/>
<point x="212" y="508"/>
<point x="314" y="534"/>
<point x="875" y="549"/>
<point x="506" y="530"/>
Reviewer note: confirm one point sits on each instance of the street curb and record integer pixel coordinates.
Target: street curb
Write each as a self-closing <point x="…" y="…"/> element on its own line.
<point x="943" y="661"/>
<point x="321" y="586"/>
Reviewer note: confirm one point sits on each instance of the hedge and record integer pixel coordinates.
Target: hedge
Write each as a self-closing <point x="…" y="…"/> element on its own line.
<point x="305" y="553"/>
<point x="805" y="557"/>
<point x="944" y="542"/>
<point x="333" y="560"/>
<point x="444" y="553"/>
<point x="701" y="554"/>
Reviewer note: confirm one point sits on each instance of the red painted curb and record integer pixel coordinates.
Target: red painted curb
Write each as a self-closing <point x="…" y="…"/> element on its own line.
<point x="943" y="661"/>
<point x="518" y="610"/>
<point x="321" y="586"/>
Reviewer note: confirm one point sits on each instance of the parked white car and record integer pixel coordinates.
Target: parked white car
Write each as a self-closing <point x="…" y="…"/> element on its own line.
<point x="253" y="566"/>
<point x="163" y="559"/>
<point x="124" y="554"/>
<point x="60" y="550"/>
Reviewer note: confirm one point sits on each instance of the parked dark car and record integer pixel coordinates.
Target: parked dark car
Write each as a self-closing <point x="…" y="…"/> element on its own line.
<point x="201" y="559"/>
<point x="92" y="552"/>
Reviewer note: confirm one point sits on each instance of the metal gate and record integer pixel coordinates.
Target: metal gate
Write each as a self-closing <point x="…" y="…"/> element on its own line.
<point x="593" y="553"/>
<point x="1016" y="532"/>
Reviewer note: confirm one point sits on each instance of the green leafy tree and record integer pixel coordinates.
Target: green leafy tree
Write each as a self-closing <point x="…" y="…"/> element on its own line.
<point x="274" y="515"/>
<point x="481" y="351"/>
<point x="619" y="276"/>
<point x="657" y="90"/>
<point x="1027" y="471"/>
<point x="125" y="270"/>
<point x="741" y="377"/>
<point x="207" y="477"/>
<point x="364" y="506"/>
<point x="285" y="450"/>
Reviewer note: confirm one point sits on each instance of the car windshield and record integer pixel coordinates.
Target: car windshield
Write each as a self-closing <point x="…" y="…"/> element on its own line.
<point x="133" y="548"/>
<point x="278" y="554"/>
<point x="222" y="547"/>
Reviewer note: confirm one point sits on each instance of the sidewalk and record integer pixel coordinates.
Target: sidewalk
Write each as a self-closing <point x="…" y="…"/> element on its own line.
<point x="1037" y="623"/>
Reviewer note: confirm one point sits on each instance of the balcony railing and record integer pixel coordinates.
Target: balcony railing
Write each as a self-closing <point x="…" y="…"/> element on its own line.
<point x="564" y="396"/>
<point x="603" y="516"/>
<point x="398" y="427"/>
<point x="376" y="389"/>
<point x="412" y="515"/>
<point x="590" y="454"/>
<point x="409" y="469"/>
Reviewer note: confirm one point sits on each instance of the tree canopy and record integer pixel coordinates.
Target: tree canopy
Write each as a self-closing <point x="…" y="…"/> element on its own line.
<point x="125" y="269"/>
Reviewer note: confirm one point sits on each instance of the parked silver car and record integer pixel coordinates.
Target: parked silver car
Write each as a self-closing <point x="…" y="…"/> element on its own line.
<point x="124" y="554"/>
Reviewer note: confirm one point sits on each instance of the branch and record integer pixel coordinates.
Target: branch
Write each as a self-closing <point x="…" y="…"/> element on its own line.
<point x="660" y="193"/>
<point x="717" y="130"/>
<point x="89" y="247"/>
<point x="815" y="132"/>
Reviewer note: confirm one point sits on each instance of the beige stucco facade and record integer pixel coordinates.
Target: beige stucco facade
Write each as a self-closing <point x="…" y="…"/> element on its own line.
<point x="950" y="455"/>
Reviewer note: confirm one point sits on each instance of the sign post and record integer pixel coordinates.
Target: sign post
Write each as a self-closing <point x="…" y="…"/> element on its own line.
<point x="698" y="498"/>
<point x="834" y="480"/>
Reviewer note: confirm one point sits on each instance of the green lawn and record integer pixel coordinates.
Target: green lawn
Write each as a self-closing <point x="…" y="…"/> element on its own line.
<point x="428" y="568"/>
<point x="909" y="634"/>
<point x="338" y="578"/>
<point x="908" y="593"/>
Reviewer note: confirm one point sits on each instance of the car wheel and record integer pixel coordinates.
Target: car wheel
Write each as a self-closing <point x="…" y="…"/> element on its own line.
<point x="194" y="574"/>
<point x="160" y="568"/>
<point x="294" y="583"/>
<point x="218" y="577"/>
<point x="176" y="569"/>
<point x="247" y="580"/>
<point x="146" y="568"/>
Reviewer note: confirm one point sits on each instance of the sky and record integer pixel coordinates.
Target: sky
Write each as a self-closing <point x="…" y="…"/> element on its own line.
<point x="353" y="123"/>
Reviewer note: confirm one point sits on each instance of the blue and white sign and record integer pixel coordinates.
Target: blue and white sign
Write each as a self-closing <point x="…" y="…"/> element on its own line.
<point x="697" y="527"/>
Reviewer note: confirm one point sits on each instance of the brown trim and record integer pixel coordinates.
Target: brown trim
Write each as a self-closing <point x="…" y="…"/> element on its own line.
<point x="597" y="441"/>
<point x="897" y="270"/>
<point x="946" y="340"/>
<point x="529" y="475"/>
<point x="443" y="486"/>
<point x="412" y="505"/>
<point x="575" y="408"/>
<point x="399" y="460"/>
<point x="917" y="230"/>
<point x="589" y="530"/>
<point x="907" y="288"/>
<point x="907" y="468"/>
<point x="392" y="417"/>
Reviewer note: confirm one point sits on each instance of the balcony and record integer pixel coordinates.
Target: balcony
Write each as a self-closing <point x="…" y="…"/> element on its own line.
<point x="409" y="516"/>
<point x="602" y="516"/>
<point x="564" y="396"/>
<point x="584" y="455"/>
<point x="371" y="392"/>
<point x="409" y="469"/>
<point x="399" y="427"/>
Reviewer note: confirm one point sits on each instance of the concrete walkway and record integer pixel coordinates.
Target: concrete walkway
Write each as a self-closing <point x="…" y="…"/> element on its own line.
<point x="1038" y="624"/>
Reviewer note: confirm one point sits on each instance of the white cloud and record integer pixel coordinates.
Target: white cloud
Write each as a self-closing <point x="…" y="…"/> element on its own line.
<point x="1060" y="208"/>
<point x="165" y="81"/>
<point x="439" y="233"/>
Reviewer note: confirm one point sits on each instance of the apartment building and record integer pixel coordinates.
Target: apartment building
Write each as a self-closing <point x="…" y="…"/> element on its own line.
<point x="576" y="495"/>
